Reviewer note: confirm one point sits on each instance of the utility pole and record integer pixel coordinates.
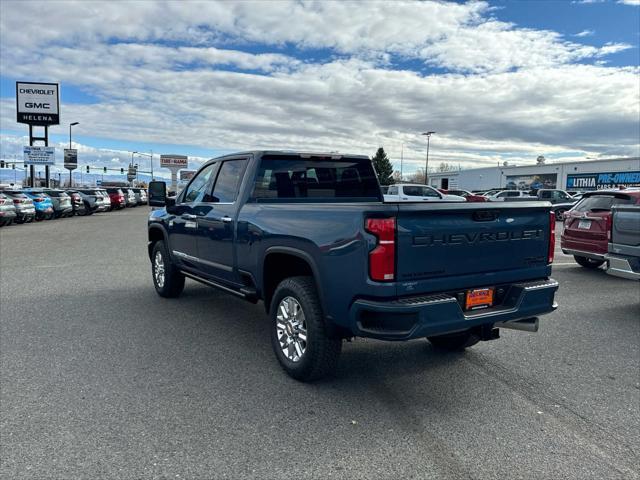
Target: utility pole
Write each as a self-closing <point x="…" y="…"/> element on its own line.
<point x="401" y="159"/>
<point x="426" y="165"/>
<point x="71" y="171"/>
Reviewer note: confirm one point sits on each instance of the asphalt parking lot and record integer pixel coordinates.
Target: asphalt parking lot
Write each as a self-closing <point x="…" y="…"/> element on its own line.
<point x="101" y="378"/>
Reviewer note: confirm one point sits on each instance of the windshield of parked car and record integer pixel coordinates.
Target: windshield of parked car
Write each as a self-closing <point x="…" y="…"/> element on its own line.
<point x="601" y="202"/>
<point x="315" y="178"/>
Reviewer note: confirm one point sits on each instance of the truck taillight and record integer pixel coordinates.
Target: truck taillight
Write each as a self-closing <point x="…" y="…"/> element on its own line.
<point x="382" y="259"/>
<point x="552" y="237"/>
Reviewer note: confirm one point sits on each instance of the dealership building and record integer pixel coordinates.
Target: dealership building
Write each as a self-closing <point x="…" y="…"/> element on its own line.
<point x="586" y="175"/>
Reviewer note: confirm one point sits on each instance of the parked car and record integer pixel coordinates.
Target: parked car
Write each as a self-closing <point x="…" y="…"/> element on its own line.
<point x="25" y="210"/>
<point x="117" y="197"/>
<point x="77" y="203"/>
<point x="311" y="237"/>
<point x="510" y="195"/>
<point x="468" y="196"/>
<point x="141" y="196"/>
<point x="7" y="210"/>
<point x="42" y="203"/>
<point x="623" y="256"/>
<point x="418" y="193"/>
<point x="129" y="197"/>
<point x="62" y="206"/>
<point x="587" y="226"/>
<point x="106" y="199"/>
<point x="97" y="199"/>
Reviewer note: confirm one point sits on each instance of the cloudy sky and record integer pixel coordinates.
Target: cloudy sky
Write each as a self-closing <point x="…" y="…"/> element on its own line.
<point x="503" y="80"/>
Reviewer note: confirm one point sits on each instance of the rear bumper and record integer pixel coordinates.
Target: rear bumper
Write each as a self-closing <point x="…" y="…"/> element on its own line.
<point x="421" y="316"/>
<point x="581" y="253"/>
<point x="623" y="266"/>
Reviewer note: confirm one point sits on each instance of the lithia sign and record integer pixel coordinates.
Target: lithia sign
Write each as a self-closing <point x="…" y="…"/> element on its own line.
<point x="38" y="103"/>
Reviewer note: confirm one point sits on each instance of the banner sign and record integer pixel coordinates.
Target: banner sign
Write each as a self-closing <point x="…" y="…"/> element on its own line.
<point x="186" y="175"/>
<point x="531" y="182"/>
<point x="39" y="155"/>
<point x="70" y="158"/>
<point x="38" y="103"/>
<point x="173" y="161"/>
<point x="600" y="181"/>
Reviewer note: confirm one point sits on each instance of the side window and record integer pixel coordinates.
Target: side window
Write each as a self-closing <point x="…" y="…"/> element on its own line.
<point x="546" y="194"/>
<point x="198" y="185"/>
<point x="393" y="190"/>
<point x="226" y="187"/>
<point x="430" y="192"/>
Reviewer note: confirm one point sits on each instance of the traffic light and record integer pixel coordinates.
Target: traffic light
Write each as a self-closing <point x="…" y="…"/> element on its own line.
<point x="13" y="166"/>
<point x="121" y="171"/>
<point x="1" y="163"/>
<point x="88" y="169"/>
<point x="104" y="169"/>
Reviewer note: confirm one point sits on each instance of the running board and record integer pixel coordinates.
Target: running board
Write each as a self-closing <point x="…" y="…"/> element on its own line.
<point x="246" y="293"/>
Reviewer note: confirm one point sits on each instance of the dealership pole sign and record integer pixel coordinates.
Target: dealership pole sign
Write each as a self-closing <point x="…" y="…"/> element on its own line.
<point x="174" y="163"/>
<point x="38" y="103"/>
<point x="39" y="155"/>
<point x="70" y="158"/>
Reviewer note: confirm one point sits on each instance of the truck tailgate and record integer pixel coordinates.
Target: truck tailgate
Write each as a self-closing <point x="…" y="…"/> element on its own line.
<point x="450" y="245"/>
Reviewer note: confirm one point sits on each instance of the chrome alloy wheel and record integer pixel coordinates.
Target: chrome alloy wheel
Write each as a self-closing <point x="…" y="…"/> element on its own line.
<point x="291" y="329"/>
<point x="158" y="269"/>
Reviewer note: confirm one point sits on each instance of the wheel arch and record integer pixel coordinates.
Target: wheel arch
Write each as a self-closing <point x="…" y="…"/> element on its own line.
<point x="291" y="262"/>
<point x="156" y="233"/>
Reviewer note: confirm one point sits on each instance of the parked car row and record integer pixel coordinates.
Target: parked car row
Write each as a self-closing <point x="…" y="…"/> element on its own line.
<point x="29" y="204"/>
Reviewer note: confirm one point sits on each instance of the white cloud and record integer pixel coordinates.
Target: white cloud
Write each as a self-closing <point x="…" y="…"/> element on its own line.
<point x="511" y="92"/>
<point x="635" y="3"/>
<point x="585" y="33"/>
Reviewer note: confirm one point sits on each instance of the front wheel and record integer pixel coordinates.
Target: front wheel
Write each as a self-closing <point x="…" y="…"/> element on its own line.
<point x="167" y="280"/>
<point x="299" y="334"/>
<point x="588" y="262"/>
<point x="455" y="342"/>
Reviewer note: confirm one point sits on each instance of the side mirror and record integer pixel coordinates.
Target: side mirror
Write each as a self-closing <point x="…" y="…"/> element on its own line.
<point x="157" y="194"/>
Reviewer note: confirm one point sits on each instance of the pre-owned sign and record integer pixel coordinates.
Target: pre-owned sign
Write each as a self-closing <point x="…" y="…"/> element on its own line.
<point x="38" y="103"/>
<point x="70" y="158"/>
<point x="599" y="181"/>
<point x="39" y="155"/>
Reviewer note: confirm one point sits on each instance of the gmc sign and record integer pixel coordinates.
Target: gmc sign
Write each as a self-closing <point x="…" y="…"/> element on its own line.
<point x="37" y="103"/>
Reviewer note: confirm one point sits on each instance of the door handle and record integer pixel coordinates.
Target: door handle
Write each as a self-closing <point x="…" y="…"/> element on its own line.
<point x="189" y="216"/>
<point x="227" y="219"/>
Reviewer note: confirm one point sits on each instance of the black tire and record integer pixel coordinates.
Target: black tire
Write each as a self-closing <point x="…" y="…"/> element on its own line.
<point x="454" y="342"/>
<point x="322" y="351"/>
<point x="588" y="262"/>
<point x="172" y="283"/>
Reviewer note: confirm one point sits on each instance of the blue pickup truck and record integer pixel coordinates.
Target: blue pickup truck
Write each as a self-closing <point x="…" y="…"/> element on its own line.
<point x="311" y="237"/>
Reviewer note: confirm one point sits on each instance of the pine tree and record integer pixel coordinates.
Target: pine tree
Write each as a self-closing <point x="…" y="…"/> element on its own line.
<point x="383" y="167"/>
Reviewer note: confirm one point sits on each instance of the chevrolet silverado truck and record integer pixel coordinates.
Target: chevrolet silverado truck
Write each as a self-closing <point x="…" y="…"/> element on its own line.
<point x="310" y="236"/>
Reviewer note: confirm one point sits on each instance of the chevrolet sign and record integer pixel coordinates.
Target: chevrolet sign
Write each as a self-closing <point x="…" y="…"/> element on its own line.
<point x="38" y="103"/>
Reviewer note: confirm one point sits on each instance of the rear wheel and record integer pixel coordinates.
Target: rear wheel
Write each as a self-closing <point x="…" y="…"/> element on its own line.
<point x="169" y="282"/>
<point x="299" y="334"/>
<point x="588" y="262"/>
<point x="454" y="341"/>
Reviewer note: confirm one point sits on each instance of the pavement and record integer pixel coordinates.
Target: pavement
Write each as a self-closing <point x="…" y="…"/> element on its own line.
<point x="101" y="378"/>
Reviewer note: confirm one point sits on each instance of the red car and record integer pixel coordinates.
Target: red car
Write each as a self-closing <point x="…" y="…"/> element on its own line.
<point x="117" y="198"/>
<point x="463" y="193"/>
<point x="587" y="226"/>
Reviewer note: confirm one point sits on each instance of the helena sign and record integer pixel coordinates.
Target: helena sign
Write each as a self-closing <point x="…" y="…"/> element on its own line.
<point x="38" y="103"/>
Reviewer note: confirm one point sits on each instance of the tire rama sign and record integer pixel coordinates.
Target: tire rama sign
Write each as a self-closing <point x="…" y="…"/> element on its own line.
<point x="38" y="103"/>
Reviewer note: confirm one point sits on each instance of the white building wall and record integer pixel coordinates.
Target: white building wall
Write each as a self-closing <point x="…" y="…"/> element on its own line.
<point x="498" y="177"/>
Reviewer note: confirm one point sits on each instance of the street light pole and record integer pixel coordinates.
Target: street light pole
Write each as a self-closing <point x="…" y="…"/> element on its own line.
<point x="426" y="165"/>
<point x="71" y="171"/>
<point x="401" y="159"/>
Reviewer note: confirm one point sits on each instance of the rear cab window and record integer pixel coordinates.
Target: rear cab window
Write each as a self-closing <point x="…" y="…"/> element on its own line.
<point x="319" y="179"/>
<point x="602" y="202"/>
